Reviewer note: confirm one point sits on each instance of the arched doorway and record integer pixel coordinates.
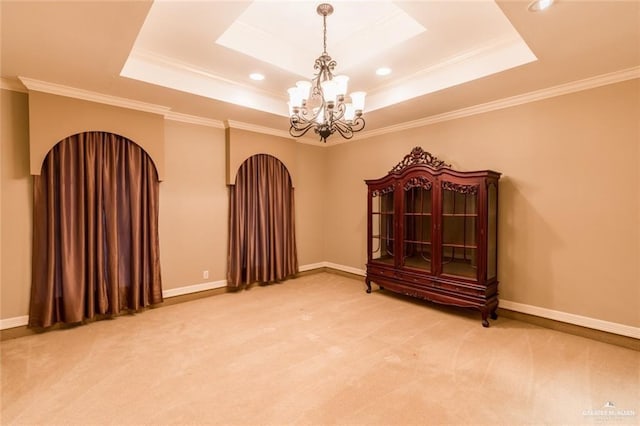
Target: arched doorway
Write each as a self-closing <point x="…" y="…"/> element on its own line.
<point x="262" y="245"/>
<point x="95" y="231"/>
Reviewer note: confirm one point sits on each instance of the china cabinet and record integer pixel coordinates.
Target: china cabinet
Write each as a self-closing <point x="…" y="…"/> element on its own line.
<point x="433" y="233"/>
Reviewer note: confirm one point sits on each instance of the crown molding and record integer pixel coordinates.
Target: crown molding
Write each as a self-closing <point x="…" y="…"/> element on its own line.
<point x="87" y="95"/>
<point x="563" y="89"/>
<point x="194" y="119"/>
<point x="232" y="124"/>
<point x="177" y="75"/>
<point x="13" y="85"/>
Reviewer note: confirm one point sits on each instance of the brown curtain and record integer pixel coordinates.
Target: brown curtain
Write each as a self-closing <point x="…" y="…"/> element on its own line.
<point x="262" y="243"/>
<point x="95" y="231"/>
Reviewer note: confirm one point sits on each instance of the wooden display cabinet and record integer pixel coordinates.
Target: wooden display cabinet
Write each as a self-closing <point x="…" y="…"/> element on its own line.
<point x="433" y="233"/>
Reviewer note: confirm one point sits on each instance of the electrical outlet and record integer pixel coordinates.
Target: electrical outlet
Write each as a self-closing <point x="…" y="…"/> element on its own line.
<point x="205" y="274"/>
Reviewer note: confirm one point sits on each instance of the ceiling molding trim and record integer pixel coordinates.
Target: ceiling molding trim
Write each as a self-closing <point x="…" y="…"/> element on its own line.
<point x="232" y="124"/>
<point x="563" y="89"/>
<point x="13" y="85"/>
<point x="170" y="73"/>
<point x="194" y="119"/>
<point x="87" y="95"/>
<point x="499" y="55"/>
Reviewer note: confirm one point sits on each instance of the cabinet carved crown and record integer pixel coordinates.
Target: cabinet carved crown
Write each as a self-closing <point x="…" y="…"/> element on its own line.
<point x="419" y="156"/>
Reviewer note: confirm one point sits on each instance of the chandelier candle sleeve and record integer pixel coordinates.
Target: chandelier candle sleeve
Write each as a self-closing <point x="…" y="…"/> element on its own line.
<point x="322" y="104"/>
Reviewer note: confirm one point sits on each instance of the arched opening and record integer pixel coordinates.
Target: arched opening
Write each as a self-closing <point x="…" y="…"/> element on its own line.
<point x="95" y="231"/>
<point x="262" y="246"/>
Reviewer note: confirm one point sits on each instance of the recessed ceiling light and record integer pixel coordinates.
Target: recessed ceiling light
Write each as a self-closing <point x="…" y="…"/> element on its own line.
<point x="539" y="5"/>
<point x="256" y="76"/>
<point x="383" y="71"/>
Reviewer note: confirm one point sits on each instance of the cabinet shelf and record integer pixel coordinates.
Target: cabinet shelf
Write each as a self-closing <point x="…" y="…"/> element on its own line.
<point x="454" y="245"/>
<point x="418" y="242"/>
<point x="444" y="227"/>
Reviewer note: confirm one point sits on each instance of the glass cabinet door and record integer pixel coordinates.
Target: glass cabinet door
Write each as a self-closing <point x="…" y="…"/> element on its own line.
<point x="382" y="227"/>
<point x="492" y="231"/>
<point x="459" y="254"/>
<point x="417" y="225"/>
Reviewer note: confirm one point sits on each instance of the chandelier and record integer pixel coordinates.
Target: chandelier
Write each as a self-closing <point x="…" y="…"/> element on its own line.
<point x="321" y="104"/>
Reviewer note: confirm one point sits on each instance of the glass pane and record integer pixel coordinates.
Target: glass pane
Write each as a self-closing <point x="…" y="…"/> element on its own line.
<point x="417" y="228"/>
<point x="375" y="234"/>
<point x="459" y="261"/>
<point x="417" y="255"/>
<point x="459" y="230"/>
<point x="492" y="232"/>
<point x="382" y="229"/>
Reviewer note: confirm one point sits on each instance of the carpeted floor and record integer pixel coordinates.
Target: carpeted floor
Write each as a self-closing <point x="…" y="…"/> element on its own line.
<point x="315" y="350"/>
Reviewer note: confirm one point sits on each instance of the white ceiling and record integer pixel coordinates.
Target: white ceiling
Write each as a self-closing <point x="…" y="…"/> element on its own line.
<point x="288" y="37"/>
<point x="195" y="57"/>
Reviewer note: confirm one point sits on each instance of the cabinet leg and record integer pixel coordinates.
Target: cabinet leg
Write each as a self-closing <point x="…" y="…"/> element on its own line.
<point x="494" y="315"/>
<point x="367" y="281"/>
<point x="485" y="321"/>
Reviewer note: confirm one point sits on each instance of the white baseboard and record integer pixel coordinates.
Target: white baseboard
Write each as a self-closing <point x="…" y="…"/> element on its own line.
<point x="311" y="266"/>
<point x="14" y="322"/>
<point x="343" y="268"/>
<point x="596" y="324"/>
<point x="172" y="292"/>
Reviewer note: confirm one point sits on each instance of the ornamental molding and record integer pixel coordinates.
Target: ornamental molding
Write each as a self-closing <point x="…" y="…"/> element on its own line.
<point x="462" y="189"/>
<point x="386" y="190"/>
<point x="418" y="156"/>
<point x="419" y="181"/>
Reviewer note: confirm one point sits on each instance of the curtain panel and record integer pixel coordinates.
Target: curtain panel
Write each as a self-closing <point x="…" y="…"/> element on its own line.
<point x="262" y="243"/>
<point x="95" y="231"/>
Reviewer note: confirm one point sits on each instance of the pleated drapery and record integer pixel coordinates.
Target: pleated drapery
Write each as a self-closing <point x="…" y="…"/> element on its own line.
<point x="262" y="245"/>
<point x="95" y="231"/>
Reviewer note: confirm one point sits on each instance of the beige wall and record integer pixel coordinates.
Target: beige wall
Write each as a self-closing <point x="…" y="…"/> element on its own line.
<point x="569" y="196"/>
<point x="310" y="199"/>
<point x="193" y="206"/>
<point x="17" y="205"/>
<point x="242" y="144"/>
<point x="53" y="118"/>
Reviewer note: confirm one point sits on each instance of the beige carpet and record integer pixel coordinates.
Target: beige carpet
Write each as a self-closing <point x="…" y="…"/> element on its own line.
<point x="315" y="350"/>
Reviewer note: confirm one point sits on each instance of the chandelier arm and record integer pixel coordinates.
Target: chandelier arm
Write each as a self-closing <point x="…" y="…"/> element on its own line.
<point x="297" y="132"/>
<point x="307" y="115"/>
<point x="358" y="124"/>
<point x="339" y="111"/>
<point x="344" y="129"/>
<point x="299" y="122"/>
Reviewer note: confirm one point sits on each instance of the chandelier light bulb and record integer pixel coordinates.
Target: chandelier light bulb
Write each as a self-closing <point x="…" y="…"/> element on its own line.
<point x="304" y="87"/>
<point x="349" y="112"/>
<point x="357" y="98"/>
<point x="341" y="83"/>
<point x="295" y="99"/>
<point x="330" y="92"/>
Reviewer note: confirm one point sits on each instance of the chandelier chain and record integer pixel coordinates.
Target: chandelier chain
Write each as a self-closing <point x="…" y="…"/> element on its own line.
<point x="324" y="26"/>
